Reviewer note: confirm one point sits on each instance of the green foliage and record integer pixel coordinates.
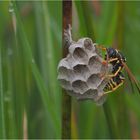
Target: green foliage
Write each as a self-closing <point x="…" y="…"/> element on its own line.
<point x="30" y="49"/>
<point x="29" y="76"/>
<point x="111" y="24"/>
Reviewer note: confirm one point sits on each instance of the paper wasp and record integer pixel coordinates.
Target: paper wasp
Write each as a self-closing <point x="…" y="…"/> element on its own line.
<point x="118" y="61"/>
<point x="114" y="83"/>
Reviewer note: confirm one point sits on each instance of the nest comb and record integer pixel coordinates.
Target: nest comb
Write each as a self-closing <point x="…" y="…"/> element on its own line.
<point x="79" y="72"/>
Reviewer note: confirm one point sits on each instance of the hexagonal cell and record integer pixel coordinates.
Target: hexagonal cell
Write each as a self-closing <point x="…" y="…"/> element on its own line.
<point x="72" y="62"/>
<point x="92" y="60"/>
<point x="101" y="86"/>
<point x="80" y="55"/>
<point x="63" y="63"/>
<point x="73" y="46"/>
<point x="72" y="93"/>
<point x="94" y="65"/>
<point x="91" y="93"/>
<point x="79" y="86"/>
<point x="91" y="54"/>
<point x="88" y="45"/>
<point x="65" y="73"/>
<point x="100" y="59"/>
<point x="82" y="71"/>
<point x="65" y="84"/>
<point x="106" y="69"/>
<point x="93" y="81"/>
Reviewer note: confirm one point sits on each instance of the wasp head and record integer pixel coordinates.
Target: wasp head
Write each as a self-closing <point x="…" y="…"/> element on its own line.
<point x="112" y="53"/>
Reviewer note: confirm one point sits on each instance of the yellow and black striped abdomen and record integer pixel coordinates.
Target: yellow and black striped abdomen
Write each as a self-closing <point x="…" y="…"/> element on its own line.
<point x="110" y="85"/>
<point x="114" y="83"/>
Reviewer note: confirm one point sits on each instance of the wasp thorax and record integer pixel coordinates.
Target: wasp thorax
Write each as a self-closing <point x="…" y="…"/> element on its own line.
<point x="80" y="72"/>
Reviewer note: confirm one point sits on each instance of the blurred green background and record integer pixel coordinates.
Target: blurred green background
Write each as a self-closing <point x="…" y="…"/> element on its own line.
<point x="30" y="49"/>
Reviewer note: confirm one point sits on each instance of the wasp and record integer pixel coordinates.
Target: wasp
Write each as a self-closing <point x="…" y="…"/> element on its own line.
<point x="118" y="61"/>
<point x="115" y="57"/>
<point x="114" y="83"/>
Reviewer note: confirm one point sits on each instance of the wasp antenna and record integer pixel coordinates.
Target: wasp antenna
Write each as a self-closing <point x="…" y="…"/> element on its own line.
<point x="102" y="47"/>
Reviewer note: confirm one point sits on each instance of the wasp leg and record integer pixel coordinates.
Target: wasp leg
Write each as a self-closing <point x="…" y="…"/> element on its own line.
<point x="112" y="59"/>
<point x="105" y="62"/>
<point x="101" y="47"/>
<point x="106" y="92"/>
<point x="113" y="75"/>
<point x="110" y="75"/>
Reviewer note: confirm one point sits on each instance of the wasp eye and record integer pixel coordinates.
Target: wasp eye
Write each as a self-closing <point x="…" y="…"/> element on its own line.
<point x="111" y="52"/>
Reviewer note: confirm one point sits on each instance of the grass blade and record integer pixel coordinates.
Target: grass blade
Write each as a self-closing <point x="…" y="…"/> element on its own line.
<point x="2" y="108"/>
<point x="40" y="82"/>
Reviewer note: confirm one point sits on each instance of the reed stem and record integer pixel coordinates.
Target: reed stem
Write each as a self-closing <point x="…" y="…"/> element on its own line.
<point x="66" y="99"/>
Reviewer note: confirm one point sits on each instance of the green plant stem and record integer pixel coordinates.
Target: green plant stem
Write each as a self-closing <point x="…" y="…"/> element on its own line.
<point x="2" y="118"/>
<point x="110" y="121"/>
<point x="66" y="99"/>
<point x="122" y="107"/>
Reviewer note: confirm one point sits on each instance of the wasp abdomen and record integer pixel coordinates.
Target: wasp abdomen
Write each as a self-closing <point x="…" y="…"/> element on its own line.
<point x="114" y="83"/>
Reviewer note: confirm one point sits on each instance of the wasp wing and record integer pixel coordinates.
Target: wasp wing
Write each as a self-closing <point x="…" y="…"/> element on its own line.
<point x="130" y="83"/>
<point x="131" y="76"/>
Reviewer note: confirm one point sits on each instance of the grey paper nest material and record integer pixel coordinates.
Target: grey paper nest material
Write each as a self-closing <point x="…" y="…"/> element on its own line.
<point x="79" y="73"/>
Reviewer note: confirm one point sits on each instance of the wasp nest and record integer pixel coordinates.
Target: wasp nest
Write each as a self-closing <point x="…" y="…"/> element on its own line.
<point x="80" y="72"/>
